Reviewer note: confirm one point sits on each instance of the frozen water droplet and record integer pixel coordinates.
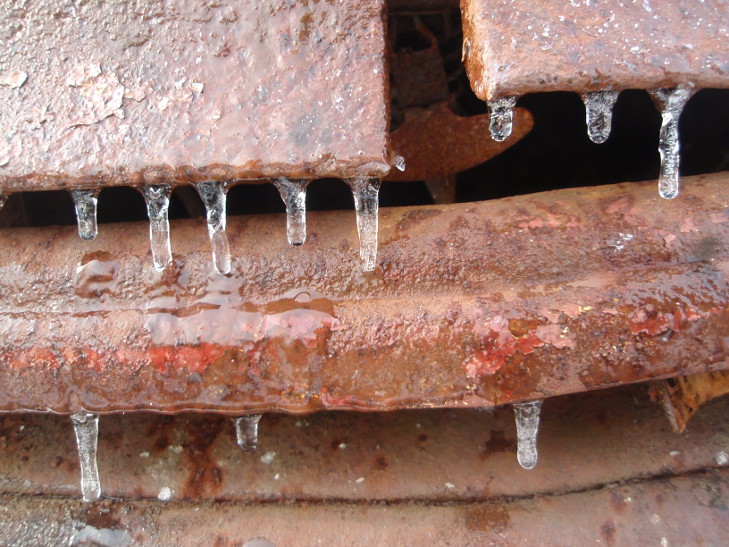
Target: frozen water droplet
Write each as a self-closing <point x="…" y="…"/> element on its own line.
<point x="213" y="195"/>
<point x="158" y="203"/>
<point x="400" y="163"/>
<point x="527" y="429"/>
<point x="2" y="200"/>
<point x="366" y="203"/>
<point x="293" y="194"/>
<point x="502" y="116"/>
<point x="671" y="103"/>
<point x="599" y="114"/>
<point x="246" y="430"/>
<point x="85" y="202"/>
<point x="86" y="427"/>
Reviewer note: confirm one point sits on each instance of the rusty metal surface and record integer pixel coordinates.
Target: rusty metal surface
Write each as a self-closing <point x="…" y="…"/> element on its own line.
<point x="436" y="143"/>
<point x="106" y="94"/>
<point x="585" y="441"/>
<point x="519" y="47"/>
<point x="679" y="511"/>
<point x="682" y="397"/>
<point x="473" y="304"/>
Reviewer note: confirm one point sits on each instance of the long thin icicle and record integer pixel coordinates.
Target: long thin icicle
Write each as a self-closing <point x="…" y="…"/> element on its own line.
<point x="158" y="203"/>
<point x="246" y="430"/>
<point x="86" y="427"/>
<point x="213" y="195"/>
<point x="293" y="194"/>
<point x="671" y="103"/>
<point x="366" y="204"/>
<point x="527" y="428"/>
<point x="85" y="203"/>
<point x="599" y="114"/>
<point x="502" y="116"/>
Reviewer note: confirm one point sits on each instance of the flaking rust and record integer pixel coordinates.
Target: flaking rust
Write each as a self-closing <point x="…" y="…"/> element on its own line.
<point x="603" y="286"/>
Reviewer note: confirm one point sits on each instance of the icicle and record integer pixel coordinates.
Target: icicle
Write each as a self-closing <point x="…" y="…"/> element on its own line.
<point x="599" y="114"/>
<point x="2" y="200"/>
<point x="213" y="195"/>
<point x="86" y="427"/>
<point x="85" y="202"/>
<point x="502" y="115"/>
<point x="366" y="204"/>
<point x="400" y="163"/>
<point x="293" y="194"/>
<point x="527" y="429"/>
<point x="246" y="430"/>
<point x="158" y="202"/>
<point x="670" y="102"/>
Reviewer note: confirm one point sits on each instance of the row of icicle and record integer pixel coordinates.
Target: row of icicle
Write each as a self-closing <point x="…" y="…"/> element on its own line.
<point x="213" y="195"/>
<point x="86" y="428"/>
<point x="599" y="112"/>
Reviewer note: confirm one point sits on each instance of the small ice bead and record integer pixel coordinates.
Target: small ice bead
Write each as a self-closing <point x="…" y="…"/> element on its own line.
<point x="599" y="114"/>
<point x="246" y="429"/>
<point x="501" y="113"/>
<point x="85" y="202"/>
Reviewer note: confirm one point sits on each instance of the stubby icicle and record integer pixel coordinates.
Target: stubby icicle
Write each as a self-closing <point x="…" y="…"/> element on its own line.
<point x="85" y="202"/>
<point x="366" y="205"/>
<point x="527" y="429"/>
<point x="86" y="427"/>
<point x="293" y="194"/>
<point x="158" y="204"/>
<point x="214" y="196"/>
<point x="246" y="430"/>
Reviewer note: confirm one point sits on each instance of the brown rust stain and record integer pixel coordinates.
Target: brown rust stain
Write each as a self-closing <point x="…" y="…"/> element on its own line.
<point x="493" y="519"/>
<point x="205" y="476"/>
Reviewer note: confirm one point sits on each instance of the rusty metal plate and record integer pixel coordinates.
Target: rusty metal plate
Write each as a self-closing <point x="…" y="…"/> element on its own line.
<point x="115" y="93"/>
<point x="467" y="455"/>
<point x="678" y="511"/>
<point x="472" y="304"/>
<point x="522" y="46"/>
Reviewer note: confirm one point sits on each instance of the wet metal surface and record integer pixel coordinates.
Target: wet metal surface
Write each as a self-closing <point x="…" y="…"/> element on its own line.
<point x="519" y="47"/>
<point x="106" y="94"/>
<point x="610" y="471"/>
<point x="472" y="304"/>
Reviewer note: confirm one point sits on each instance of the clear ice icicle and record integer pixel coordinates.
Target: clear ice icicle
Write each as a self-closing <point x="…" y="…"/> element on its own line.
<point x="246" y="431"/>
<point x="366" y="204"/>
<point x="293" y="194"/>
<point x="86" y="427"/>
<point x="213" y="195"/>
<point x="85" y="202"/>
<point x="502" y="116"/>
<point x="599" y="114"/>
<point x="527" y="429"/>
<point x="670" y="102"/>
<point x="158" y="203"/>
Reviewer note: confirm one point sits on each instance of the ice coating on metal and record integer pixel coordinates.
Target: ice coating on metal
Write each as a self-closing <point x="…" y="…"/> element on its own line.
<point x="502" y="117"/>
<point x="671" y="103"/>
<point x="366" y="205"/>
<point x="86" y="428"/>
<point x="246" y="431"/>
<point x="293" y="194"/>
<point x="157" y="198"/>
<point x="213" y="195"/>
<point x="527" y="428"/>
<point x="189" y="91"/>
<point x="599" y="114"/>
<point x="523" y="46"/>
<point x="85" y="203"/>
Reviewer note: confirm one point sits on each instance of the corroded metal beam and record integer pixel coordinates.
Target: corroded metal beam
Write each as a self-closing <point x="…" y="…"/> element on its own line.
<point x="518" y="47"/>
<point x="473" y="304"/>
<point x="111" y="94"/>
